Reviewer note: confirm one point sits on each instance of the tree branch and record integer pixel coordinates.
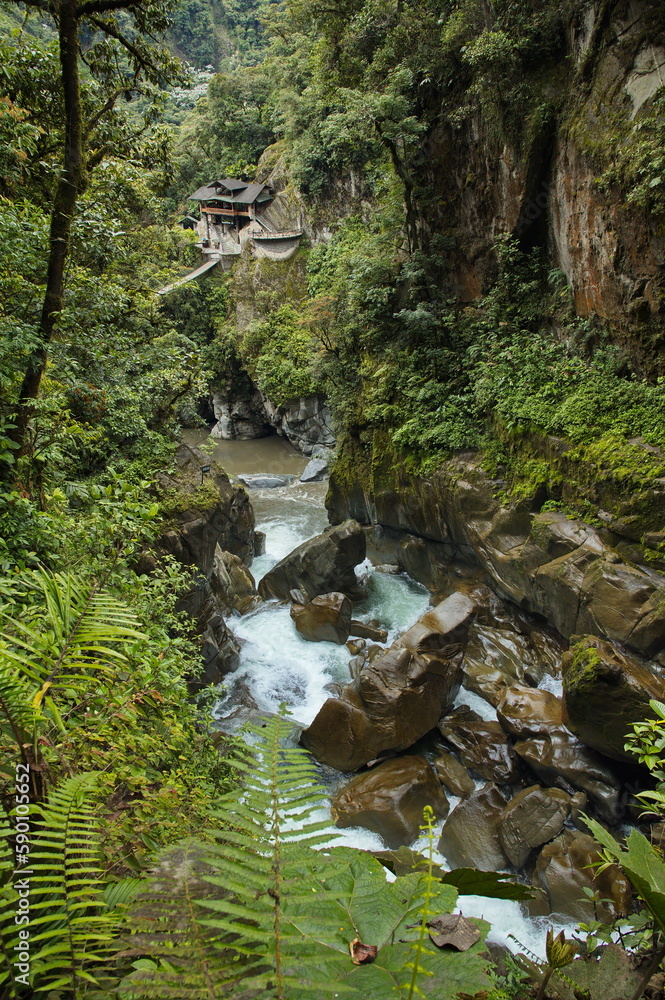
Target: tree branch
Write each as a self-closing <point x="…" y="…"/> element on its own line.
<point x="108" y="29"/>
<point x="104" y="6"/>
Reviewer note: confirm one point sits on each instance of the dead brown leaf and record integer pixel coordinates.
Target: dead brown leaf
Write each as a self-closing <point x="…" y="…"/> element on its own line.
<point x="362" y="954"/>
<point x="453" y="929"/>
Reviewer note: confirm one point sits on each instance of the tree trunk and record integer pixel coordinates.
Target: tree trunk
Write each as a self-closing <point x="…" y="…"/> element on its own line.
<point x="407" y="183"/>
<point x="71" y="183"/>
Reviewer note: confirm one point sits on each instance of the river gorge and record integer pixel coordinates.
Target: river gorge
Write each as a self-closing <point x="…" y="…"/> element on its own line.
<point x="512" y="784"/>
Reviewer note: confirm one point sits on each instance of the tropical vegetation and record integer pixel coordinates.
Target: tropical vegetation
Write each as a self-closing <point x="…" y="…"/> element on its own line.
<point x="164" y="858"/>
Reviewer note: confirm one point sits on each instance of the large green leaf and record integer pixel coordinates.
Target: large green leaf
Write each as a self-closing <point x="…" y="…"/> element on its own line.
<point x="610" y="976"/>
<point x="361" y="903"/>
<point x="640" y="863"/>
<point x="495" y="885"/>
<point x="356" y="901"/>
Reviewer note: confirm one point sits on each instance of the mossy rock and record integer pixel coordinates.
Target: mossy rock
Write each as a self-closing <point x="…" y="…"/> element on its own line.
<point x="605" y="692"/>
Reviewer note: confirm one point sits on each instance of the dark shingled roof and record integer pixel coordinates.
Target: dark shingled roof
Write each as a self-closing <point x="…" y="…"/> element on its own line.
<point x="242" y="192"/>
<point x="231" y="184"/>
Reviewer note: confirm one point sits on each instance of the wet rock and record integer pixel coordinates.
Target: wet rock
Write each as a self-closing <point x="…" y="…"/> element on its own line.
<point x="324" y="619"/>
<point x="306" y="422"/>
<point x="605" y="692"/>
<point x="259" y="543"/>
<point x="579" y="806"/>
<point x="232" y="583"/>
<point x="199" y="517"/>
<point x="496" y="658"/>
<point x="321" y="565"/>
<point x="239" y="419"/>
<point x="315" y="470"/>
<point x="390" y="800"/>
<point x="454" y="775"/>
<point x="356" y="663"/>
<point x="534" y="816"/>
<point x="483" y="746"/>
<point x="425" y="561"/>
<point x="559" y="758"/>
<point x="394" y="702"/>
<point x="399" y="695"/>
<point x="354" y="647"/>
<point x="470" y="835"/>
<point x="265" y="482"/>
<point x="219" y="649"/>
<point x="443" y="627"/>
<point x="361" y="630"/>
<point x="563" y="871"/>
<point x="525" y="711"/>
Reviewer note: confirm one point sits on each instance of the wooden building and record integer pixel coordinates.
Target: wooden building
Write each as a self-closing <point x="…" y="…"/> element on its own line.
<point x="231" y="201"/>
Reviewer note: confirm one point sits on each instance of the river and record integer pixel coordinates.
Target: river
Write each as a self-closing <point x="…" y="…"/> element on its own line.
<point x="278" y="667"/>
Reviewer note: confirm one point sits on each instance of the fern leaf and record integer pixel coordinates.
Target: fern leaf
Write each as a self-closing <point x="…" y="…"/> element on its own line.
<point x="68" y="921"/>
<point x="186" y="959"/>
<point x="76" y="628"/>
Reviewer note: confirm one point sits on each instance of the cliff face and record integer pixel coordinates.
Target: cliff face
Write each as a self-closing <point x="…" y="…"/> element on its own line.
<point x="565" y="181"/>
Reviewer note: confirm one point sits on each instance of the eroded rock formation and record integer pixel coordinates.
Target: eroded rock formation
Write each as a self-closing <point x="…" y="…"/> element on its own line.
<point x="321" y="565"/>
<point x="399" y="696"/>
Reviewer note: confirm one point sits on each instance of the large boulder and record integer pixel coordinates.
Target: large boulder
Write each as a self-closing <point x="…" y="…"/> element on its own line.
<point x="531" y="818"/>
<point x="443" y="628"/>
<point x="324" y="619"/>
<point x="568" y="866"/>
<point x="470" y="835"/>
<point x="525" y="711"/>
<point x="454" y="775"/>
<point x="605" y="692"/>
<point x="398" y="696"/>
<point x="316" y="470"/>
<point x="321" y="565"/>
<point x="560" y="759"/>
<point x="496" y="658"/>
<point x="483" y="746"/>
<point x="396" y="699"/>
<point x="390" y="800"/>
<point x="231" y="582"/>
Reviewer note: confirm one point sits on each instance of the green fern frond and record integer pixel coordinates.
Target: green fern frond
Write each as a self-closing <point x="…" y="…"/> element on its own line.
<point x="71" y="934"/>
<point x="176" y="957"/>
<point x="9" y="937"/>
<point x="123" y="892"/>
<point x="263" y="857"/>
<point x="17" y="711"/>
<point x="73" y="628"/>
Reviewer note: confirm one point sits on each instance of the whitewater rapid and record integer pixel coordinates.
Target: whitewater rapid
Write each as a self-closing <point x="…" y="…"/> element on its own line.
<point x="277" y="667"/>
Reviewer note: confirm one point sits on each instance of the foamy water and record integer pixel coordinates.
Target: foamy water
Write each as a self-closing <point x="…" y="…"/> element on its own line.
<point x="278" y="667"/>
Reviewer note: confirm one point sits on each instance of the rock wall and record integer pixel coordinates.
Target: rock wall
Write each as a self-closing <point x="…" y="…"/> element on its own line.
<point x="547" y="185"/>
<point x="208" y="526"/>
<point x="544" y="562"/>
<point x="306" y="422"/>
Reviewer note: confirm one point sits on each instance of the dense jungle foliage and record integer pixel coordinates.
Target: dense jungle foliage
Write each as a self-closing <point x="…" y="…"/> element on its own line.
<point x="342" y="105"/>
